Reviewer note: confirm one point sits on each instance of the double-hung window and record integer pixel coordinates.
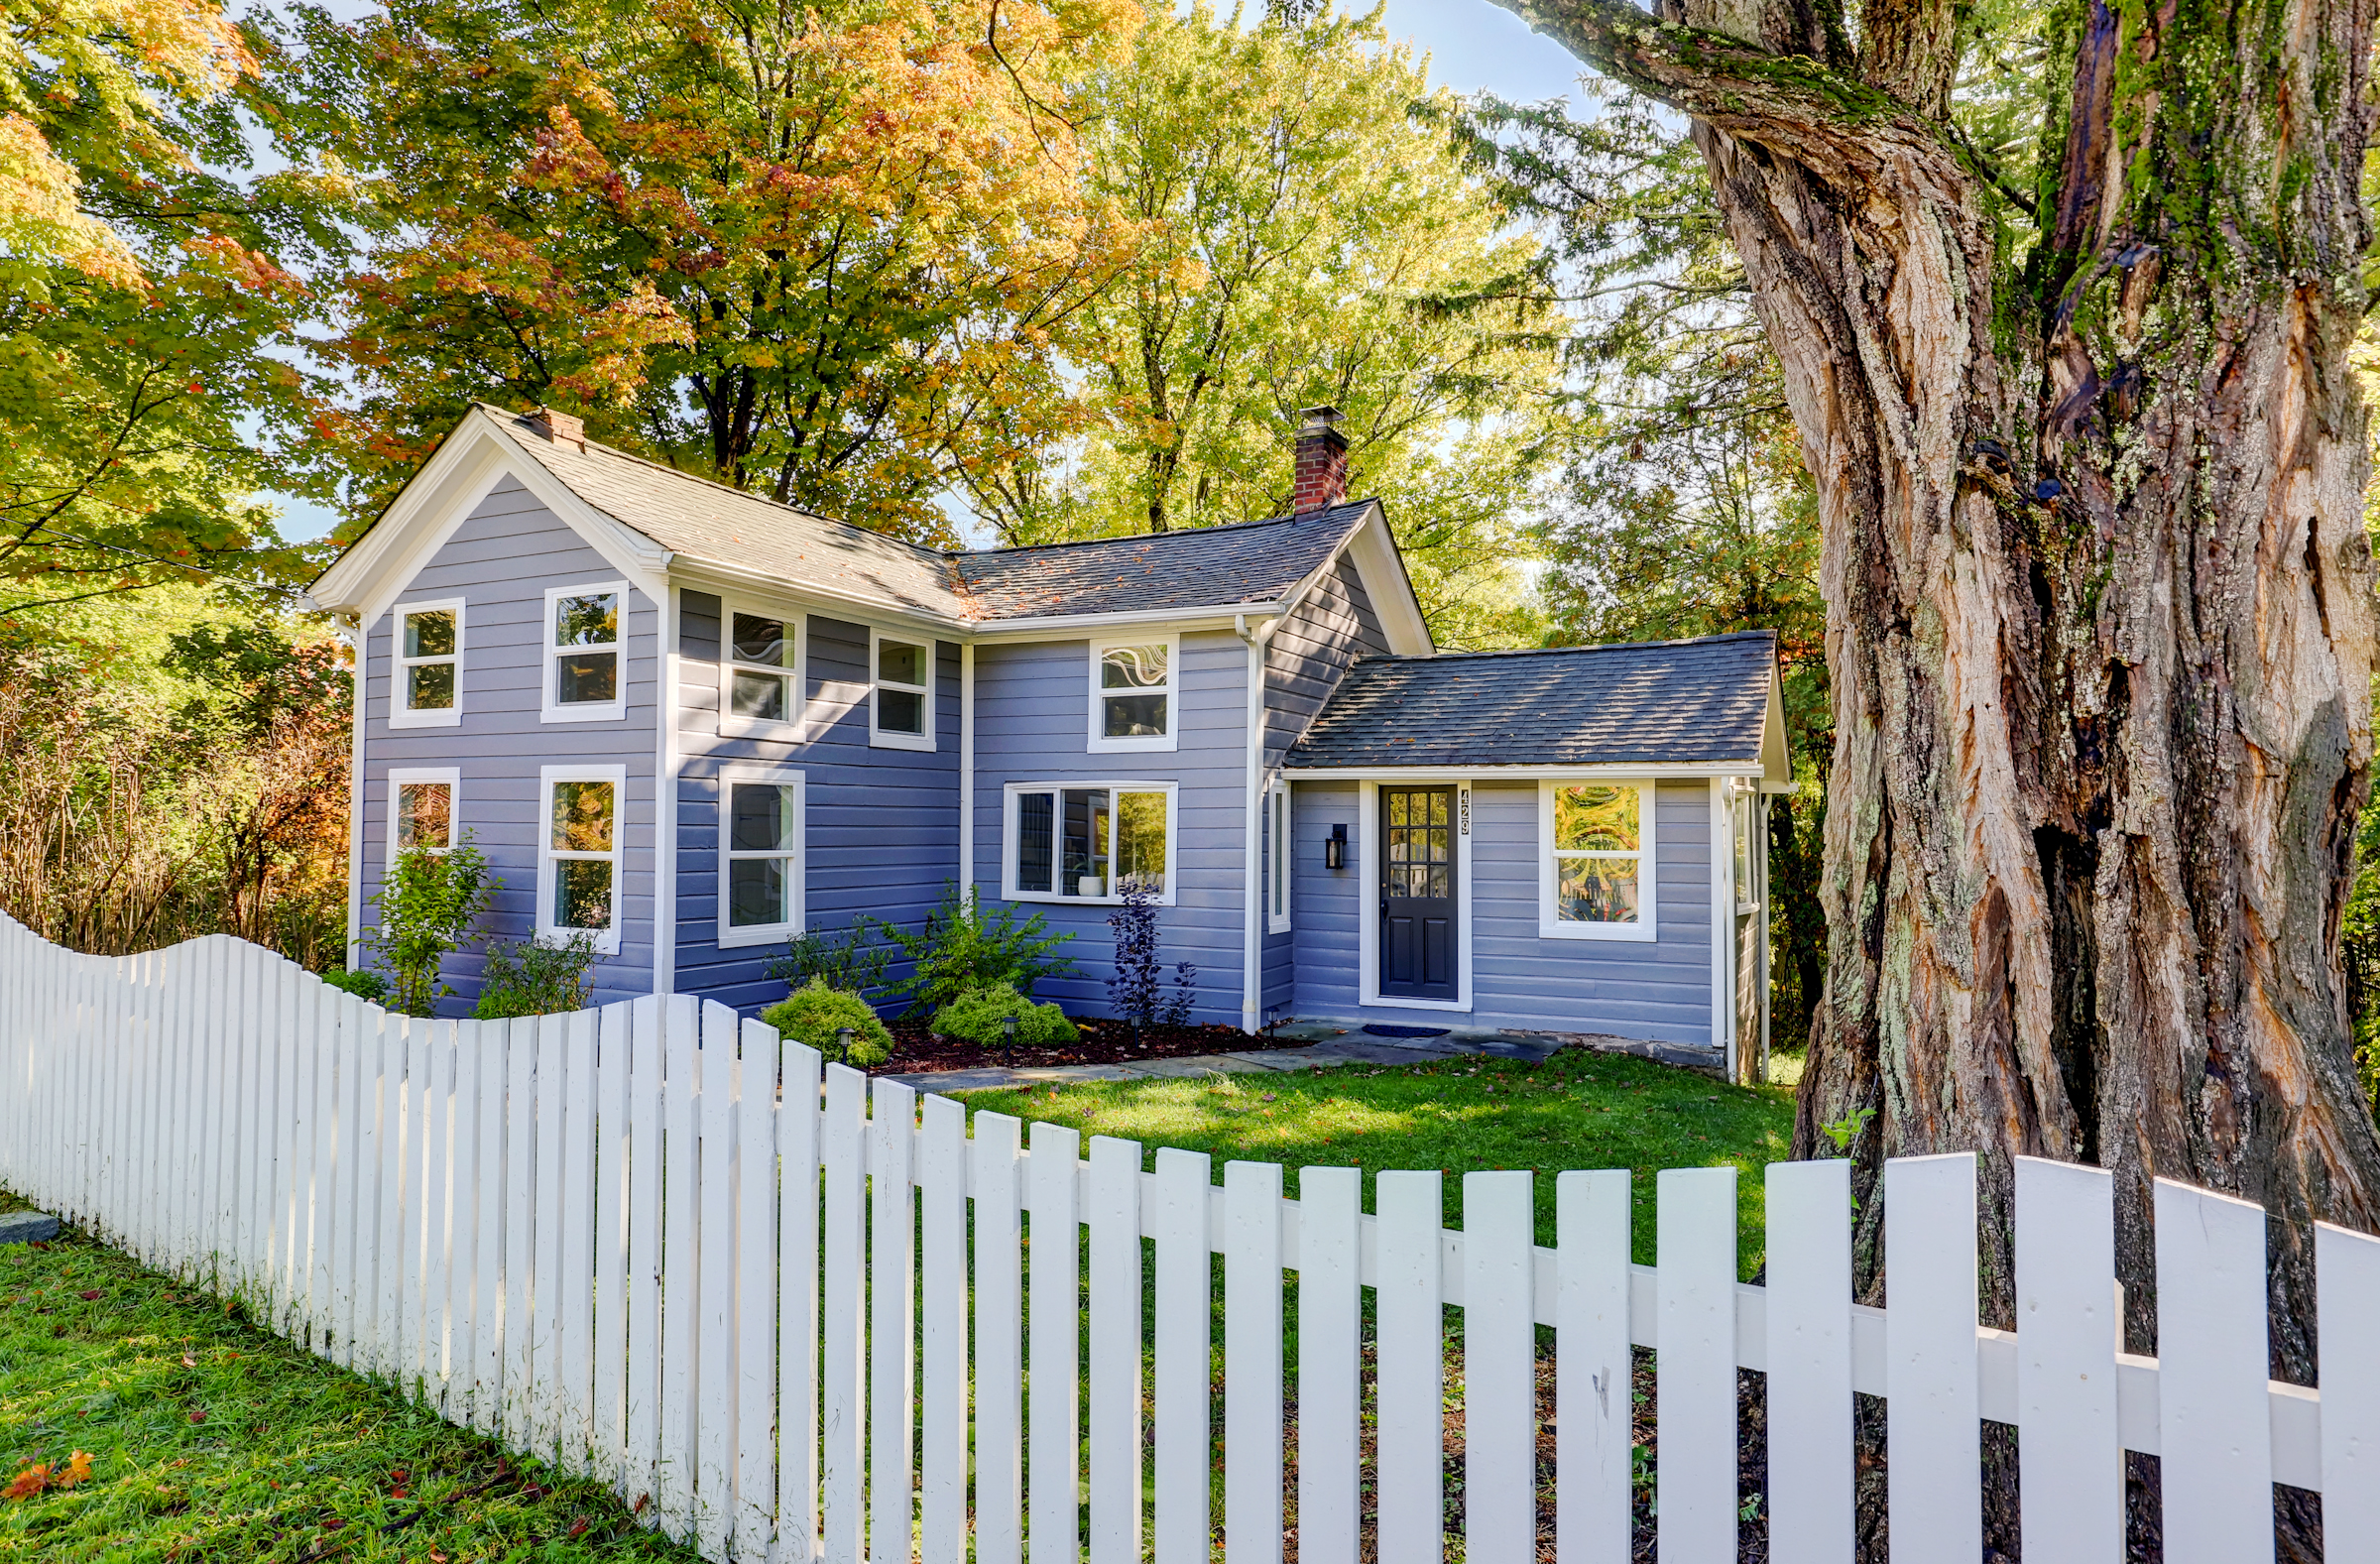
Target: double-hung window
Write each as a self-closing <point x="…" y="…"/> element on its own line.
<point x="1087" y="842"/>
<point x="422" y="809"/>
<point x="1277" y="859"/>
<point x="585" y="636"/>
<point x="760" y="674"/>
<point x="582" y="827"/>
<point x="760" y="856"/>
<point x="1595" y="859"/>
<point x="1131" y="693"/>
<point x="901" y="697"/>
<point x="425" y="670"/>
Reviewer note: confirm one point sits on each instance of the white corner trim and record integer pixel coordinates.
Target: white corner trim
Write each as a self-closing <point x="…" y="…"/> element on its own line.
<point x="1367" y="890"/>
<point x="966" y="768"/>
<point x="402" y="776"/>
<point x="607" y="941"/>
<point x="1648" y="881"/>
<point x="878" y="737"/>
<point x="551" y="706"/>
<point x="665" y="805"/>
<point x="356" y="637"/>
<point x="1252" y="860"/>
<point x="1097" y="741"/>
<point x="1723" y="916"/>
<point x="732" y="938"/>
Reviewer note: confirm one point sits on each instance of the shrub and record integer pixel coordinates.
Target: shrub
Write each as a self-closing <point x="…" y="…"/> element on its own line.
<point x="1137" y="988"/>
<point x="848" y="961"/>
<point x="958" y="949"/>
<point x="427" y="905"/>
<point x="362" y="985"/>
<point x="814" y="1013"/>
<point x="976" y="1016"/>
<point x="534" y="979"/>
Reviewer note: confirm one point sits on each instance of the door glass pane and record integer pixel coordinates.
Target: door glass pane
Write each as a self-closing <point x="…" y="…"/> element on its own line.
<point x="1033" y="840"/>
<point x="760" y="696"/>
<point x="429" y="686"/>
<point x="1084" y="865"/>
<point x="424" y="816"/>
<point x="1135" y="716"/>
<point x="1595" y="819"/>
<point x="759" y="817"/>
<point x="1140" y="841"/>
<point x="590" y="621"/>
<point x="759" y="639"/>
<point x="1132" y="667"/>
<point x="588" y="676"/>
<point x="756" y="891"/>
<point x="582" y="816"/>
<point x="1596" y="889"/>
<point x="898" y="663"/>
<point x="899" y="712"/>
<point x="583" y="892"/>
<point x="429" y="635"/>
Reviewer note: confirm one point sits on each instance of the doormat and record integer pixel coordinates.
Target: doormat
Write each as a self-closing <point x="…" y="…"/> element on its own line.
<point x="1385" y="1030"/>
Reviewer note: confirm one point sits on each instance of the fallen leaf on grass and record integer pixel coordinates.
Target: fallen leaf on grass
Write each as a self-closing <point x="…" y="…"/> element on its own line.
<point x="28" y="1481"/>
<point x="94" y="1293"/>
<point x="578" y="1527"/>
<point x="334" y="1523"/>
<point x="42" y="1474"/>
<point x="188" y="1361"/>
<point x="197" y="1416"/>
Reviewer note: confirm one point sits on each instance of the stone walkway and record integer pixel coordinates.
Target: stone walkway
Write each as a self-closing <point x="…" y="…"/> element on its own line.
<point x="1313" y="1046"/>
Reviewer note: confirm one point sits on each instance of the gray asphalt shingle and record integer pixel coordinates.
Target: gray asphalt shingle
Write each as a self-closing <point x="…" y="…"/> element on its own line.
<point x="1643" y="703"/>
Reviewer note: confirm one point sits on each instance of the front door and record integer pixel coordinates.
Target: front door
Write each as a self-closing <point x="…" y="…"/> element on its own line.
<point x="1417" y="894"/>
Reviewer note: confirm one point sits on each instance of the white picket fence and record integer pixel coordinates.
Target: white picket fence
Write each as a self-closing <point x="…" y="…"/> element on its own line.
<point x="645" y="1243"/>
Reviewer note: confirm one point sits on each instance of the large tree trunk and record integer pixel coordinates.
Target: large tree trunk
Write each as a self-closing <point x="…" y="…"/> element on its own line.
<point x="2099" y="601"/>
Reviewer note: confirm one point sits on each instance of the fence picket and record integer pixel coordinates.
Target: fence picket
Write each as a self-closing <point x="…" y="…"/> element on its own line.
<point x="755" y="1287"/>
<point x="347" y="1151"/>
<point x="641" y="1405"/>
<point x="1111" y="1214"/>
<point x="1594" y="1380"/>
<point x="715" y="1317"/>
<point x="607" y="1435"/>
<point x="943" y="1330"/>
<point x="1408" y="1472"/>
<point x="999" y="1343"/>
<point x="1694" y="1392"/>
<point x="492" y="1119"/>
<point x="1330" y="1309"/>
<point x="1054" y="1275"/>
<point x="2070" y="1466"/>
<point x="575" y="1339"/>
<point x="682" y="1257"/>
<point x="1933" y="1441"/>
<point x="841" y="1413"/>
<point x="891" y="1296"/>
<point x="441" y="1262"/>
<point x="1809" y="1342"/>
<point x="1499" y="1367"/>
<point x="797" y="1308"/>
<point x="412" y="1356"/>
<point x="547" y="1284"/>
<point x="2347" y="1284"/>
<point x="2214" y="1408"/>
<point x="1180" y="1411"/>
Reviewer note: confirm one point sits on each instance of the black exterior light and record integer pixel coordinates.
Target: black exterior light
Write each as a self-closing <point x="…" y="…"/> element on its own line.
<point x="1008" y="1031"/>
<point x="1333" y="848"/>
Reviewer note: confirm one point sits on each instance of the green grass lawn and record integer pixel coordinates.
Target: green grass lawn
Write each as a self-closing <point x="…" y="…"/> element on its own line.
<point x="1577" y="1110"/>
<point x="209" y="1440"/>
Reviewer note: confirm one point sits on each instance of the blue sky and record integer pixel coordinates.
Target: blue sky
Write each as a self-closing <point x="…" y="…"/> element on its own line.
<point x="1471" y="45"/>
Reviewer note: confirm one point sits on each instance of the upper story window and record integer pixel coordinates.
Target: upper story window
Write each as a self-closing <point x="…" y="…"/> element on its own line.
<point x="421" y="809"/>
<point x="1087" y="842"/>
<point x="900" y="698"/>
<point x="578" y="867"/>
<point x="760" y="677"/>
<point x="1131" y="693"/>
<point x="1595" y="860"/>
<point x="426" y="674"/>
<point x="584" y="638"/>
<point x="760" y="856"/>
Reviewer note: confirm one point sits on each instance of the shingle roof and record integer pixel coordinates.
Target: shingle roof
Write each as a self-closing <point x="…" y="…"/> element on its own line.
<point x="1655" y="702"/>
<point x="1210" y="566"/>
<point x="1251" y="562"/>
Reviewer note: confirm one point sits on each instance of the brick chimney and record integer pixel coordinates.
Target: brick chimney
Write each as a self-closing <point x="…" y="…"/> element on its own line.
<point x="1321" y="459"/>
<point x="560" y="427"/>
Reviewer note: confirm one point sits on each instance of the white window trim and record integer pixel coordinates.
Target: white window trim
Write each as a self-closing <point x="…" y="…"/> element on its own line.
<point x="1367" y="882"/>
<point x="878" y="737"/>
<point x="607" y="942"/>
<point x="554" y="710"/>
<point x="1009" y="816"/>
<point x="731" y="937"/>
<point x="408" y="776"/>
<point x="1170" y="739"/>
<point x="732" y="726"/>
<point x="1646" y="929"/>
<point x="402" y="715"/>
<point x="1280" y="860"/>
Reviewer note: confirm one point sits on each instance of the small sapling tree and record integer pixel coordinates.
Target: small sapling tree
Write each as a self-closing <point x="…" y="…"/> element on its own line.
<point x="1138" y="990"/>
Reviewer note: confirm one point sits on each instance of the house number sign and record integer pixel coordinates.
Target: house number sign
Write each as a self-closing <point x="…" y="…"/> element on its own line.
<point x="1463" y="793"/>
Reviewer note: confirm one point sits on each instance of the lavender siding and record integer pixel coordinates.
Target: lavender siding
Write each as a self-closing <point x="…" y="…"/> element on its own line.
<point x="500" y="562"/>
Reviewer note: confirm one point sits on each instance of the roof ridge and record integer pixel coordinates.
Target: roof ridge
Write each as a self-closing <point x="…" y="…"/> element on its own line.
<point x="1600" y="646"/>
<point x="1184" y="531"/>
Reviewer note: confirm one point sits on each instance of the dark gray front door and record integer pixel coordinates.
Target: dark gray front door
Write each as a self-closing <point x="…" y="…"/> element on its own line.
<point x="1417" y="893"/>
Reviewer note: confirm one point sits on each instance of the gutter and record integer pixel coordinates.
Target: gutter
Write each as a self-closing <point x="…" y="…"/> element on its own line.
<point x="1252" y="950"/>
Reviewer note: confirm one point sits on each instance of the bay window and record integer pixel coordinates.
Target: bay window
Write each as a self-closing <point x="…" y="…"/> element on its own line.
<point x="1595" y="859"/>
<point x="426" y="665"/>
<point x="580" y="864"/>
<point x="1087" y="842"/>
<point x="585" y="681"/>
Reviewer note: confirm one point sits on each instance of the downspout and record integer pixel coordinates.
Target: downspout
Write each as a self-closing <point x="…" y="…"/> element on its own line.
<point x="966" y="768"/>
<point x="1252" y="950"/>
<point x="350" y="629"/>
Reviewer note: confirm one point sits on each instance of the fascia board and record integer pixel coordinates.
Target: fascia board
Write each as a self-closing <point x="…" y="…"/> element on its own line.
<point x="1073" y="627"/>
<point x="1391" y="589"/>
<point x="713" y="576"/>
<point x="1521" y="772"/>
<point x="1776" y="760"/>
<point x="454" y="470"/>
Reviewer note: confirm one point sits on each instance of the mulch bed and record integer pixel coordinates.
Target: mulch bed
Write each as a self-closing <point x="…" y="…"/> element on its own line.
<point x="1102" y="1043"/>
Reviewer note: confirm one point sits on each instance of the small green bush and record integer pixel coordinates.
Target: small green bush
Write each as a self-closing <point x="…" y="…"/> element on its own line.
<point x="960" y="947"/>
<point x="976" y="1016"/>
<point x="534" y="978"/>
<point x="813" y="1014"/>
<point x="362" y="985"/>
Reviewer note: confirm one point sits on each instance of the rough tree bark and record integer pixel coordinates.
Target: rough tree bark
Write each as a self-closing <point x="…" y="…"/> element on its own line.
<point x="2099" y="601"/>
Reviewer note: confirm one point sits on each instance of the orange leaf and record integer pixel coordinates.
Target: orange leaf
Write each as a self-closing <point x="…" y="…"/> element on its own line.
<point x="79" y="1470"/>
<point x="28" y="1481"/>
